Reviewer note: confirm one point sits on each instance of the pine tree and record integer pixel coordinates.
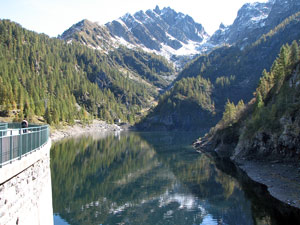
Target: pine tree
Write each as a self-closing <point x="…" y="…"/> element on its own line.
<point x="294" y="52"/>
<point x="229" y="115"/>
<point x="259" y="101"/>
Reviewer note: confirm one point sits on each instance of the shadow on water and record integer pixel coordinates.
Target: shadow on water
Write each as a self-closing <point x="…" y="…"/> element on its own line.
<point x="153" y="178"/>
<point x="262" y="202"/>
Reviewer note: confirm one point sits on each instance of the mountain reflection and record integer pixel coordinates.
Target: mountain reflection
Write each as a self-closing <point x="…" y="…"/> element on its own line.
<point x="143" y="178"/>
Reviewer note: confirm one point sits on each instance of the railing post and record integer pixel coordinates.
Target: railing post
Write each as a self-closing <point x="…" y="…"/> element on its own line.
<point x="1" y="137"/>
<point x="10" y="146"/>
<point x="26" y="143"/>
<point x="20" y="144"/>
<point x="31" y="139"/>
<point x="40" y="134"/>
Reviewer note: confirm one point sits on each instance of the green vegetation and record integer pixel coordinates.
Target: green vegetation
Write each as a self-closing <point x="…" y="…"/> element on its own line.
<point x="149" y="67"/>
<point x="185" y="106"/>
<point x="104" y="170"/>
<point x="197" y="90"/>
<point x="273" y="113"/>
<point x="277" y="29"/>
<point x="245" y="63"/>
<point x="234" y="72"/>
<point x="100" y="176"/>
<point x="276" y="96"/>
<point x="224" y="81"/>
<point x="232" y="113"/>
<point x="46" y="77"/>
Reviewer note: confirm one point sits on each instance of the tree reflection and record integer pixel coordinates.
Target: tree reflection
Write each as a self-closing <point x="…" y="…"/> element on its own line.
<point x="91" y="178"/>
<point x="149" y="178"/>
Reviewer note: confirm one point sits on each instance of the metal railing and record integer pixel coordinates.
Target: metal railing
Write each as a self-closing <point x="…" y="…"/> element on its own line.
<point x="3" y="126"/>
<point x="16" y="142"/>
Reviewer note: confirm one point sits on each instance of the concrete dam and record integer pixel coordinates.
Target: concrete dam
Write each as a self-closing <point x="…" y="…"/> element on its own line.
<point x="25" y="177"/>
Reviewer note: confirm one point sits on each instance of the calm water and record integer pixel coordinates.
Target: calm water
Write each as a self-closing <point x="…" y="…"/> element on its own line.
<point x="153" y="178"/>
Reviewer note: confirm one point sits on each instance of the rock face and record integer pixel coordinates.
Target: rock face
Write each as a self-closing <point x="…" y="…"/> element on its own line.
<point x="174" y="34"/>
<point x="164" y="31"/>
<point x="177" y="36"/>
<point x="250" y="17"/>
<point x="281" y="143"/>
<point x="280" y="10"/>
<point x="253" y="20"/>
<point x="90" y="34"/>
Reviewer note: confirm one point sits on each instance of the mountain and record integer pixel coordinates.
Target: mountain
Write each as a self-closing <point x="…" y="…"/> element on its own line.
<point x="162" y="31"/>
<point x="253" y="20"/>
<point x="90" y="34"/>
<point x="120" y="72"/>
<point x="144" y="66"/>
<point x="62" y="81"/>
<point x="233" y="73"/>
<point x="177" y="36"/>
<point x="250" y="18"/>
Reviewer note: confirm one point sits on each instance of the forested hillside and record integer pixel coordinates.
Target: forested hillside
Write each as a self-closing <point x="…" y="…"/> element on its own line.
<point x="46" y="77"/>
<point x="268" y="126"/>
<point x="184" y="107"/>
<point x="232" y="72"/>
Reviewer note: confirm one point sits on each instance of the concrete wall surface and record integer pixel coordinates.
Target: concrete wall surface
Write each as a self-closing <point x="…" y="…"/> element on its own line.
<point x="25" y="190"/>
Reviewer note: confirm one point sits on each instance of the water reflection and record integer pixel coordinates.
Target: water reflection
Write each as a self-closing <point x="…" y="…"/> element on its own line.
<point x="144" y="178"/>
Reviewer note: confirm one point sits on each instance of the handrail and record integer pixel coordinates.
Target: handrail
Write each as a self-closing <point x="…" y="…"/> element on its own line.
<point x="17" y="142"/>
<point x="3" y="126"/>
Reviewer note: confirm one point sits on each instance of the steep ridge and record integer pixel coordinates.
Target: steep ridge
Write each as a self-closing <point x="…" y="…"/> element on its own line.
<point x="177" y="36"/>
<point x="250" y="20"/>
<point x="253" y="20"/>
<point x="165" y="32"/>
<point x="233" y="72"/>
<point x="89" y="34"/>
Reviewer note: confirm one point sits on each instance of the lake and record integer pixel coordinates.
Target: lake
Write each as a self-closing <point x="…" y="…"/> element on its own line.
<point x="154" y="178"/>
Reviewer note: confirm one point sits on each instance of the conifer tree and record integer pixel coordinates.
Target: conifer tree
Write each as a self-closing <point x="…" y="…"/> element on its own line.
<point x="294" y="52"/>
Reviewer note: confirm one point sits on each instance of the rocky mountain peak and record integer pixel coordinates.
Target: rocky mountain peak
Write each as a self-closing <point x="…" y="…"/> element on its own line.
<point x="253" y="20"/>
<point x="164" y="31"/>
<point x="222" y="26"/>
<point x="157" y="10"/>
<point x="175" y="34"/>
<point x="251" y="16"/>
<point x="90" y="34"/>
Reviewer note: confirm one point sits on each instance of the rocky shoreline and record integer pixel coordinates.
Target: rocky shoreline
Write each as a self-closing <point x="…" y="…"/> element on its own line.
<point x="281" y="177"/>
<point x="96" y="126"/>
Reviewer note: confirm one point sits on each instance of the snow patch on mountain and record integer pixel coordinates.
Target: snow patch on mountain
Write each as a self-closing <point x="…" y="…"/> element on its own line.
<point x="163" y="31"/>
<point x="251" y="16"/>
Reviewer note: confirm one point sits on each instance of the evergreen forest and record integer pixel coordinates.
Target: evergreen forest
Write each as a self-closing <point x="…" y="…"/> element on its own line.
<point x="46" y="78"/>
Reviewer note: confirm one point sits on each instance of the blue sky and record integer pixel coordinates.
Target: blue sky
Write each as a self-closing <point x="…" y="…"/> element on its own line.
<point x="52" y="17"/>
